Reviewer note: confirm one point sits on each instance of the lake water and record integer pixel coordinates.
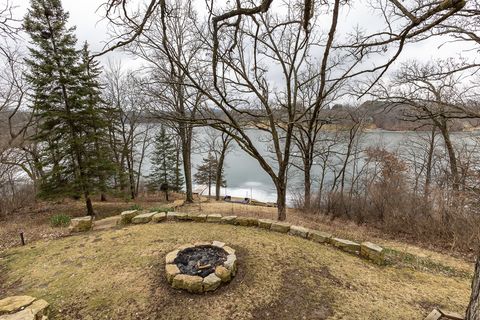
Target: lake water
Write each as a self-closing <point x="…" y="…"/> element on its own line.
<point x="245" y="177"/>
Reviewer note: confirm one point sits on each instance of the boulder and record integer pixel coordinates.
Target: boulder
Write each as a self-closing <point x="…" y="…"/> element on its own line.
<point x="23" y="308"/>
<point x="299" y="231"/>
<point x="12" y="304"/>
<point x="319" y="236"/>
<point x="202" y="243"/>
<point x="372" y="252"/>
<point x="159" y="217"/>
<point x="229" y="250"/>
<point x="211" y="282"/>
<point x="214" y="217"/>
<point x="191" y="216"/>
<point x="199" y="218"/>
<point x="81" y="224"/>
<point x="171" y="270"/>
<point x="40" y="308"/>
<point x="143" y="218"/>
<point x="282" y="227"/>
<point x="190" y="283"/>
<point x="172" y="215"/>
<point x="223" y="273"/>
<point x="246" y="221"/>
<point x="127" y="216"/>
<point x="265" y="223"/>
<point x="218" y="244"/>
<point x="171" y="256"/>
<point x="345" y="245"/>
<point x="229" y="219"/>
<point x="180" y="216"/>
<point x="231" y="263"/>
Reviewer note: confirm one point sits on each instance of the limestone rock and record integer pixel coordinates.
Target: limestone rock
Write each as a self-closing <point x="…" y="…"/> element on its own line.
<point x="182" y="216"/>
<point x="229" y="250"/>
<point x="190" y="283"/>
<point x="223" y="273"/>
<point x="202" y="243"/>
<point x="199" y="218"/>
<point x="372" y="252"/>
<point x="23" y="308"/>
<point x="231" y="263"/>
<point x="172" y="215"/>
<point x="211" y="282"/>
<point x="143" y="218"/>
<point x="159" y="217"/>
<point x="127" y="216"/>
<point x="299" y="231"/>
<point x="282" y="227"/>
<point x="171" y="256"/>
<point x="12" y="304"/>
<point x="345" y="245"/>
<point x="246" y="221"/>
<point x="26" y="314"/>
<point x="214" y="217"/>
<point x="81" y="224"/>
<point x="265" y="223"/>
<point x="229" y="219"/>
<point x="40" y="308"/>
<point x="171" y="270"/>
<point x="218" y="244"/>
<point x="319" y="236"/>
<point x="191" y="216"/>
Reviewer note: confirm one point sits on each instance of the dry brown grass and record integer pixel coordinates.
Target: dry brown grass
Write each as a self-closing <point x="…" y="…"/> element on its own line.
<point x="118" y="274"/>
<point x="342" y="228"/>
<point x="34" y="221"/>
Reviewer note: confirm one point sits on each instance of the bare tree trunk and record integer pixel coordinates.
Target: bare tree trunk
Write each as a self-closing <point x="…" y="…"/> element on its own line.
<point x="473" y="311"/>
<point x="307" y="189"/>
<point x="88" y="203"/>
<point x="218" y="174"/>
<point x="187" y="166"/>
<point x="281" y="202"/>
<point x="428" y="175"/>
<point x="452" y="157"/>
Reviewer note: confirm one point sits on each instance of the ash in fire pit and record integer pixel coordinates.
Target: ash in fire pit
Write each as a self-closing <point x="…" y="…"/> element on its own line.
<point x="200" y="267"/>
<point x="201" y="260"/>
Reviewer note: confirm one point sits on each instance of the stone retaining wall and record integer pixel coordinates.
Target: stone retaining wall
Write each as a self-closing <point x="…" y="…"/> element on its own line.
<point x="366" y="250"/>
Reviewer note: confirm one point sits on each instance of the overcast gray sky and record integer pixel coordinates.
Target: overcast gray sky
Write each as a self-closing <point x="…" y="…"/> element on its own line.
<point x="87" y="17"/>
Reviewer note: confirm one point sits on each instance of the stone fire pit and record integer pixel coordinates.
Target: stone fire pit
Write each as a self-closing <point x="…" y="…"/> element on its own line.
<point x="200" y="267"/>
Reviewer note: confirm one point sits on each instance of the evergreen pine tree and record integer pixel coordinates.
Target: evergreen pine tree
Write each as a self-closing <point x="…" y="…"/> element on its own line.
<point x="206" y="173"/>
<point x="165" y="164"/>
<point x="64" y="103"/>
<point x="96" y="117"/>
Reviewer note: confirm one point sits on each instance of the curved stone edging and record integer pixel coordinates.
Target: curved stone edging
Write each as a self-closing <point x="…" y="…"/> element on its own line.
<point x="197" y="284"/>
<point x="367" y="250"/>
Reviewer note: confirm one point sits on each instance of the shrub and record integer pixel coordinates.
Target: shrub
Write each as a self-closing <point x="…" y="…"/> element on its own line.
<point x="135" y="207"/>
<point x="60" y="220"/>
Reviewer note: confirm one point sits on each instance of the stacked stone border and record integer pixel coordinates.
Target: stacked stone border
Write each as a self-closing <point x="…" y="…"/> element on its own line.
<point x="197" y="284"/>
<point x="367" y="250"/>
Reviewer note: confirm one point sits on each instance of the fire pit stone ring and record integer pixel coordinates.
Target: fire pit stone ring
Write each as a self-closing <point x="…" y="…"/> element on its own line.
<point x="200" y="267"/>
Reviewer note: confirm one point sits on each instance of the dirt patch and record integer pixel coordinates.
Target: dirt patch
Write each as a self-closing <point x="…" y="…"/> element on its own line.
<point x="295" y="299"/>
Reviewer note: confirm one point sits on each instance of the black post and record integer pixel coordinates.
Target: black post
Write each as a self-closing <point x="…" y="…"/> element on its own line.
<point x="22" y="238"/>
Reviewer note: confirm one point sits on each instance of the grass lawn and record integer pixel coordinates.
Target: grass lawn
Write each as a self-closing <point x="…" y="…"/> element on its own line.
<point x="119" y="274"/>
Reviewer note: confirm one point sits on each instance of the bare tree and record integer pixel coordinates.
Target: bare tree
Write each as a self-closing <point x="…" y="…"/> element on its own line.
<point x="219" y="144"/>
<point x="129" y="135"/>
<point x="243" y="38"/>
<point x="435" y="93"/>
